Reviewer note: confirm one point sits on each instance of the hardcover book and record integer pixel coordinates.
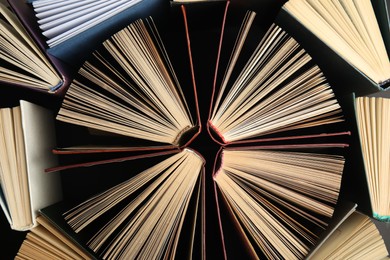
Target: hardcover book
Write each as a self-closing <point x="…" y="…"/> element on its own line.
<point x="372" y="120"/>
<point x="160" y="205"/>
<point x="45" y="241"/>
<point x="24" y="62"/>
<point x="132" y="89"/>
<point x="354" y="33"/>
<point x="28" y="135"/>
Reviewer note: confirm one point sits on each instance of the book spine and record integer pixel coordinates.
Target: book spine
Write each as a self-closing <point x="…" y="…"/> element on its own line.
<point x="180" y="135"/>
<point x="196" y="153"/>
<point x="216" y="132"/>
<point x="218" y="162"/>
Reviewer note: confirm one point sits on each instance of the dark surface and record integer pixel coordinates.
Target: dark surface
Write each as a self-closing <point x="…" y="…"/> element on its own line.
<point x="9" y="239"/>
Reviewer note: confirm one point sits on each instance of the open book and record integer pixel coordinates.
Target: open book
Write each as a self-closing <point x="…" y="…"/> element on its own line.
<point x="373" y="120"/>
<point x="355" y="237"/>
<point x="351" y="29"/>
<point x="157" y="212"/>
<point x="129" y="87"/>
<point x="275" y="89"/>
<point x="27" y="134"/>
<point x="45" y="241"/>
<point x="24" y="62"/>
<point x="280" y="199"/>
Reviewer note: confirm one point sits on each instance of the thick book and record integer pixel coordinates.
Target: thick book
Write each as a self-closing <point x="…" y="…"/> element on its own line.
<point x="372" y="117"/>
<point x="132" y="88"/>
<point x="267" y="85"/>
<point x="75" y="49"/>
<point x="280" y="199"/>
<point x="355" y="236"/>
<point x="354" y="42"/>
<point x="28" y="136"/>
<point x="155" y="211"/>
<point x="45" y="241"/>
<point x="24" y="62"/>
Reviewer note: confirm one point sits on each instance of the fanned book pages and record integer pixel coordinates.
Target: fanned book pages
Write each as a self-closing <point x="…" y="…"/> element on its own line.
<point x="278" y="89"/>
<point x="373" y="119"/>
<point x="27" y="133"/>
<point x="23" y="62"/>
<point x="61" y="20"/>
<point x="45" y="241"/>
<point x="280" y="200"/>
<point x="356" y="238"/>
<point x="158" y="213"/>
<point x="129" y="87"/>
<point x="350" y="28"/>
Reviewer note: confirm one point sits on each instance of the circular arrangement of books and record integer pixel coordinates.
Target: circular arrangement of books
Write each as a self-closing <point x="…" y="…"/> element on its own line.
<point x="209" y="129"/>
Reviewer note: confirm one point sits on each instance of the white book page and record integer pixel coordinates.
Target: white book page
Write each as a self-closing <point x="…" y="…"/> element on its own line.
<point x="62" y="25"/>
<point x="48" y="3"/>
<point x="73" y="19"/>
<point x="43" y="6"/>
<point x="48" y="12"/>
<point x="89" y="24"/>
